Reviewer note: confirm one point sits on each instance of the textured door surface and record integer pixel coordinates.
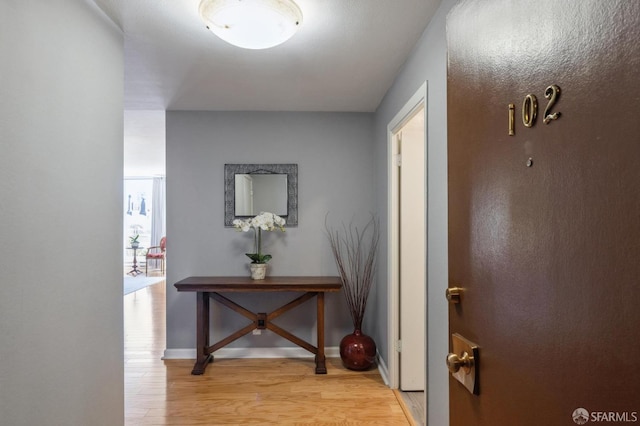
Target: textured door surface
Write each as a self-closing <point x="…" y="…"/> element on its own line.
<point x="544" y="225"/>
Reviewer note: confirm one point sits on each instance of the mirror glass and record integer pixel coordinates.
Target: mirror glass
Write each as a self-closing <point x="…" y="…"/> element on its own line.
<point x="260" y="193"/>
<point x="250" y="189"/>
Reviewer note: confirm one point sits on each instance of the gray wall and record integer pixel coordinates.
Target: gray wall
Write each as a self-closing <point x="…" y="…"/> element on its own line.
<point x="427" y="63"/>
<point x="61" y="156"/>
<point x="334" y="157"/>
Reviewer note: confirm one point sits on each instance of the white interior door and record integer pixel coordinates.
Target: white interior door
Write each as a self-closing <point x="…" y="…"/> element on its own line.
<point x="412" y="256"/>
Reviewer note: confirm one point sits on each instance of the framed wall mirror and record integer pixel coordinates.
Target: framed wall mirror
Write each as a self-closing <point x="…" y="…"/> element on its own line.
<point x="253" y="188"/>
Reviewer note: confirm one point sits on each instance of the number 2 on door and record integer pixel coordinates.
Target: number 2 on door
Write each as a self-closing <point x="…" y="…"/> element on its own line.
<point x="530" y="109"/>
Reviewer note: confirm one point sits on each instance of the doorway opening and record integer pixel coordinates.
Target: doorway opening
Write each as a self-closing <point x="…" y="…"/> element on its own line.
<point x="407" y="162"/>
<point x="144" y="215"/>
<point x="144" y="233"/>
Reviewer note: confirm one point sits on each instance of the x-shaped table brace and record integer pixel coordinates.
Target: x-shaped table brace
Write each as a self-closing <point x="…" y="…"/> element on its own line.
<point x="260" y="321"/>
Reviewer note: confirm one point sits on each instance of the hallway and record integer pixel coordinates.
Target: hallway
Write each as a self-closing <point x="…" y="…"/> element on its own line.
<point x="240" y="391"/>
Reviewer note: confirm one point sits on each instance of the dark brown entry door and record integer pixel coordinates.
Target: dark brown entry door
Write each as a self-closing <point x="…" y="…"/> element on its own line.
<point x="544" y="225"/>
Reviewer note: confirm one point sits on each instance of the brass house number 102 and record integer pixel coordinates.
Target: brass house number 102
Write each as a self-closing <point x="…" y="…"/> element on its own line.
<point x="530" y="109"/>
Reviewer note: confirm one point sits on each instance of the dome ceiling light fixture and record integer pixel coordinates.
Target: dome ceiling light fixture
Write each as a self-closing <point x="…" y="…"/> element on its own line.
<point x="252" y="24"/>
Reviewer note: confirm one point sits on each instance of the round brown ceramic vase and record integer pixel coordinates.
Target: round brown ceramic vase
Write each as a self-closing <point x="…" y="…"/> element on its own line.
<point x="358" y="351"/>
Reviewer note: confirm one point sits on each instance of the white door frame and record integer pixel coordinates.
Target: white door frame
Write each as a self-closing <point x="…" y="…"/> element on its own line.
<point x="417" y="101"/>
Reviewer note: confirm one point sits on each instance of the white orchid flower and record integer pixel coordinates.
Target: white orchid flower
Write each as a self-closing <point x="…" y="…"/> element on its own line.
<point x="265" y="221"/>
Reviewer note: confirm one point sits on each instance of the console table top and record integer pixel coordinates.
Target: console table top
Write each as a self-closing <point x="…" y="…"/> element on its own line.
<point x="246" y="284"/>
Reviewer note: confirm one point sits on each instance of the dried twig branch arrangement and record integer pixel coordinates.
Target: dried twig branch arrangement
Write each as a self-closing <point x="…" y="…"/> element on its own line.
<point x="354" y="251"/>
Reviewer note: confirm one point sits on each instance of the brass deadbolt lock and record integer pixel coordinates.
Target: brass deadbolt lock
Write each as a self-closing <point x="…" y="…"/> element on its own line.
<point x="453" y="294"/>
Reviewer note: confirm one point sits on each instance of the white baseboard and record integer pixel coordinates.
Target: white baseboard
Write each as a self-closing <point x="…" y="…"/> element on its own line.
<point x="382" y="368"/>
<point x="288" y="352"/>
<point x="179" y="354"/>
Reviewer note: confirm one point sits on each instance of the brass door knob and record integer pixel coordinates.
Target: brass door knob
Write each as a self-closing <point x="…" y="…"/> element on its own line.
<point x="463" y="362"/>
<point x="453" y="294"/>
<point x="456" y="362"/>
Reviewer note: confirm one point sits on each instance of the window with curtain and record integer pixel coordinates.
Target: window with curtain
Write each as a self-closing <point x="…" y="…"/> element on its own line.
<point x="138" y="212"/>
<point x="144" y="212"/>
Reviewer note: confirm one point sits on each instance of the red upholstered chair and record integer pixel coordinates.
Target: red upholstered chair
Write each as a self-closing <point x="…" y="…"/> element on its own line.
<point x="156" y="253"/>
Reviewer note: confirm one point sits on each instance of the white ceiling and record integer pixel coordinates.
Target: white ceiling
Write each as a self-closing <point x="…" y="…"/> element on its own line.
<point x="144" y="143"/>
<point x="344" y="57"/>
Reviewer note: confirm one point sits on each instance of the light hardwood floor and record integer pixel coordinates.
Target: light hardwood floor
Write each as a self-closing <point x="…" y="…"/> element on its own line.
<point x="240" y="392"/>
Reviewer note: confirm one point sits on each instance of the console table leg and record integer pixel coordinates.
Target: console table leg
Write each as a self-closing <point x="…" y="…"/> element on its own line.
<point x="321" y="367"/>
<point x="201" y="365"/>
<point x="203" y="357"/>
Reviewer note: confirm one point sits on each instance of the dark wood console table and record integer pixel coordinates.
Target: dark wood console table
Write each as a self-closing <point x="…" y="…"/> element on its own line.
<point x="211" y="287"/>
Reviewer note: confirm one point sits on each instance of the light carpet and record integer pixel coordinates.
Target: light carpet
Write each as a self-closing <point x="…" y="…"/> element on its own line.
<point x="132" y="284"/>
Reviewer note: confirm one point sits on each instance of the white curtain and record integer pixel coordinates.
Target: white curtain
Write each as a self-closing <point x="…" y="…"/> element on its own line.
<point x="158" y="222"/>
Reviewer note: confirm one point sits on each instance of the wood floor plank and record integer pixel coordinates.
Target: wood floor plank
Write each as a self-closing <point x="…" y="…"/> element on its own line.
<point x="240" y="391"/>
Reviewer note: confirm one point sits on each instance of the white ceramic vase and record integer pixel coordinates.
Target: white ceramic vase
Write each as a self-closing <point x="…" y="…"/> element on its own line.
<point x="258" y="271"/>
